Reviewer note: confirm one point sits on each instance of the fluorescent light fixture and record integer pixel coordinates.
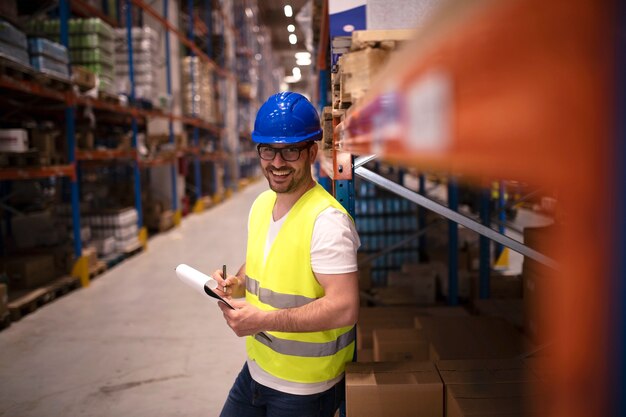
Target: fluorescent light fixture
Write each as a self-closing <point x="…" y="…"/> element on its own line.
<point x="303" y="55"/>
<point x="293" y="39"/>
<point x="288" y="11"/>
<point x="291" y="28"/>
<point x="249" y="12"/>
<point x="296" y="71"/>
<point x="258" y="57"/>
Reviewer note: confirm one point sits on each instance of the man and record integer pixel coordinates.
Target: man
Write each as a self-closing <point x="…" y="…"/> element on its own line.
<point x="299" y="280"/>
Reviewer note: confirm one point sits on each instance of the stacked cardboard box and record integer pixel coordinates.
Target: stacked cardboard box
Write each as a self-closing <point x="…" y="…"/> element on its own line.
<point x="373" y="319"/>
<point x="146" y="59"/>
<point x="411" y="389"/>
<point x="26" y="272"/>
<point x="357" y="69"/>
<point x="471" y="337"/>
<point x="491" y="387"/>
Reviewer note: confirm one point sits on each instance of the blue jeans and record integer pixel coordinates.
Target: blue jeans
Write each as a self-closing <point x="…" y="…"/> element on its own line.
<point x="247" y="398"/>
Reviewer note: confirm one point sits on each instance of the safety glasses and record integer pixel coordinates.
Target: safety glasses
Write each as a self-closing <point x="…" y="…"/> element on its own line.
<point x="290" y="154"/>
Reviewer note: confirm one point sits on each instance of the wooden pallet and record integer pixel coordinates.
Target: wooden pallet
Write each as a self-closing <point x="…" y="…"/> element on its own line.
<point x="108" y="97"/>
<point x="118" y="257"/>
<point x="53" y="81"/>
<point x="41" y="296"/>
<point x="28" y="158"/>
<point x="98" y="269"/>
<point x="16" y="70"/>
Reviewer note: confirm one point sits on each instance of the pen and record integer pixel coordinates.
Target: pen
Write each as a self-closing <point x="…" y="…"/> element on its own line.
<point x="224" y="277"/>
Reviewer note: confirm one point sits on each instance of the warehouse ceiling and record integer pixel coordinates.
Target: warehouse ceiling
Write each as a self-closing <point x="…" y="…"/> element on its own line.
<point x="272" y="15"/>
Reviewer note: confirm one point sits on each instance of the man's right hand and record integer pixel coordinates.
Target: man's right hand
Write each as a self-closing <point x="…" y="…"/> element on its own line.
<point x="229" y="287"/>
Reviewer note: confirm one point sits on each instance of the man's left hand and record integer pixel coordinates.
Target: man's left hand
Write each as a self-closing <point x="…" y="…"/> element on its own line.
<point x="246" y="319"/>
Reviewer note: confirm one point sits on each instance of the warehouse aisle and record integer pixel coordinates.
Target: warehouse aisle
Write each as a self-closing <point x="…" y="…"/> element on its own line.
<point x="137" y="342"/>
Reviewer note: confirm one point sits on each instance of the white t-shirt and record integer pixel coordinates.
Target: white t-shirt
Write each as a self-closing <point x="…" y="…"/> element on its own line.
<point x="334" y="244"/>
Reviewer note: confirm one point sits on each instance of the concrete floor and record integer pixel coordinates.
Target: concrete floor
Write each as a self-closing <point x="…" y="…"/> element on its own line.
<point x="137" y="342"/>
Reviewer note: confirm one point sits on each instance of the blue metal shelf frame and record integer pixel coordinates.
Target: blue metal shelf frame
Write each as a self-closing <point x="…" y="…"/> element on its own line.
<point x="64" y="12"/>
<point x="196" y="132"/>
<point x="170" y="124"/>
<point x="131" y="75"/>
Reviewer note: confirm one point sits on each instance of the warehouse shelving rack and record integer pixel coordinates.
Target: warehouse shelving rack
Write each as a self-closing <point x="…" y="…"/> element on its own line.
<point x="131" y="115"/>
<point x="517" y="89"/>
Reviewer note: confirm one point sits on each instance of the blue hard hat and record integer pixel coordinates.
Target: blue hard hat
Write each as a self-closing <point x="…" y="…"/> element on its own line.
<point x="286" y="118"/>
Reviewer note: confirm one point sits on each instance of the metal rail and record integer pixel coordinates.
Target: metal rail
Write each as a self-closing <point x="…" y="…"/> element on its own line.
<point x="454" y="216"/>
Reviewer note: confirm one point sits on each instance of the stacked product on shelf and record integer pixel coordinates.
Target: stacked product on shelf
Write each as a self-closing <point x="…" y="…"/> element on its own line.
<point x="198" y="89"/>
<point x="13" y="44"/>
<point x="91" y="45"/>
<point x="145" y="62"/>
<point x="49" y="57"/>
<point x="113" y="231"/>
<point x="383" y="221"/>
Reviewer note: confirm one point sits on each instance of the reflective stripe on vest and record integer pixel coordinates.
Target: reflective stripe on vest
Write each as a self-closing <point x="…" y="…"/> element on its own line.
<point x="276" y="299"/>
<point x="308" y="349"/>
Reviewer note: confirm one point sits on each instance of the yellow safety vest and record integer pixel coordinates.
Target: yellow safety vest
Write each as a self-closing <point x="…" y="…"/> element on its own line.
<point x="286" y="280"/>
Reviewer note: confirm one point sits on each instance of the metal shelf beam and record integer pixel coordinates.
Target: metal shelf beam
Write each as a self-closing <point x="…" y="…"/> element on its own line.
<point x="454" y="216"/>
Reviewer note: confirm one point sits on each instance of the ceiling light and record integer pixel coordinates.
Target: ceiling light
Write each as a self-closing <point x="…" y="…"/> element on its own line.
<point x="291" y="28"/>
<point x="249" y="12"/>
<point x="303" y="55"/>
<point x="303" y="62"/>
<point x="258" y="57"/>
<point x="288" y="11"/>
<point x="293" y="39"/>
<point x="296" y="71"/>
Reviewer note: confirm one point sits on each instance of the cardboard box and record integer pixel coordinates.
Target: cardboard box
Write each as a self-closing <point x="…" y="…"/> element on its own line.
<point x="365" y="272"/>
<point x="500" y="286"/>
<point x="411" y="389"/>
<point x="440" y="254"/>
<point x="35" y="229"/>
<point x="371" y="318"/>
<point x="30" y="271"/>
<point x="510" y="310"/>
<point x="365" y="355"/>
<point x="483" y="371"/>
<point x="13" y="140"/>
<point x="358" y="69"/>
<point x="471" y="338"/>
<point x="464" y="285"/>
<point x="501" y="399"/>
<point x="536" y="288"/>
<point x="399" y="345"/>
<point x="422" y="287"/>
<point x="45" y="142"/>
